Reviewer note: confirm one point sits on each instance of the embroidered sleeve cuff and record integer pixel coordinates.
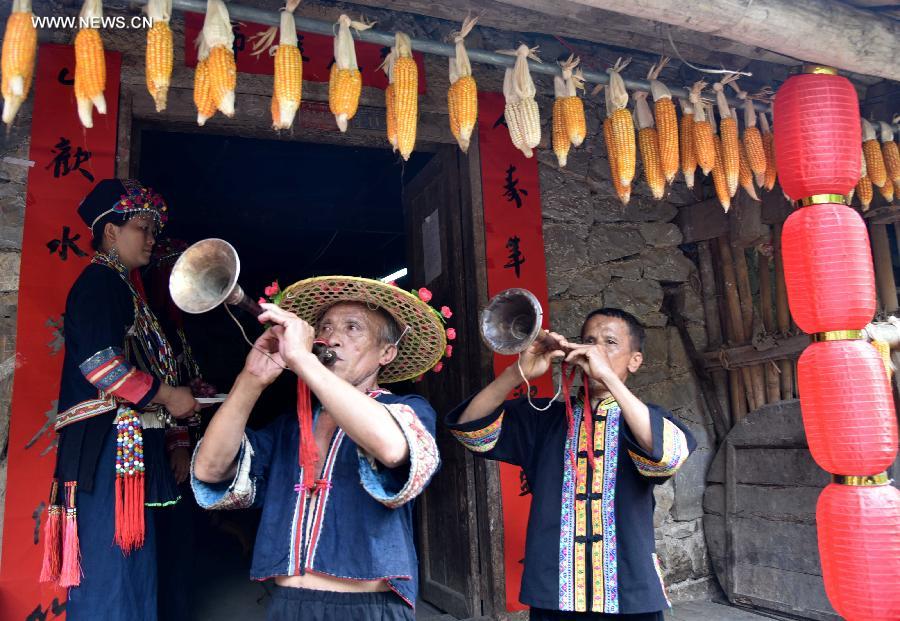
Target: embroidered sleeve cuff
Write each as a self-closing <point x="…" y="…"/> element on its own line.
<point x="177" y="437"/>
<point x="480" y="435"/>
<point x="670" y="450"/>
<point x="239" y="493"/>
<point x="112" y="374"/>
<point x="423" y="462"/>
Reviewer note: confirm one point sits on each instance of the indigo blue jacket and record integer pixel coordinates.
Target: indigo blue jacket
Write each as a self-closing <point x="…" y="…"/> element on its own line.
<point x="357" y="524"/>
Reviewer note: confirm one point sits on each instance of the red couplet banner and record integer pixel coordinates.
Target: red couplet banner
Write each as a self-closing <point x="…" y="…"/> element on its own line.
<point x="68" y="161"/>
<point x="515" y="258"/>
<point x="251" y="53"/>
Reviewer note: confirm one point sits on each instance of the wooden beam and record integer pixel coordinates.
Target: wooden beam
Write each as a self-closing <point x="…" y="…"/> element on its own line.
<point x="748" y="356"/>
<point x="818" y="31"/>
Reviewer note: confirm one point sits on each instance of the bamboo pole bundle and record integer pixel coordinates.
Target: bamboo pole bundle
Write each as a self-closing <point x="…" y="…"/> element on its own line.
<point x="766" y="304"/>
<point x="745" y="294"/>
<point x="720" y="378"/>
<point x="884" y="271"/>
<point x="783" y="316"/>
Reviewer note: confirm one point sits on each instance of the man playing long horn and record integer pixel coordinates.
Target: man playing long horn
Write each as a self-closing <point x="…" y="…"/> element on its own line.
<point x="336" y="528"/>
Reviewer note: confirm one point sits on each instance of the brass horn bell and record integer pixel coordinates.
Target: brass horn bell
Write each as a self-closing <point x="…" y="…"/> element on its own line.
<point x="511" y="322"/>
<point x="206" y="275"/>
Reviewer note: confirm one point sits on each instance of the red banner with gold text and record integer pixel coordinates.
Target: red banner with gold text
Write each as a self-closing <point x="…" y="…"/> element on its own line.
<point x="68" y="161"/>
<point x="251" y="53"/>
<point x="515" y="258"/>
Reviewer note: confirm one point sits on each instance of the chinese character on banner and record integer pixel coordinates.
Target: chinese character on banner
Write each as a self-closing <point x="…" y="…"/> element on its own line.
<point x="64" y="243"/>
<point x="512" y="192"/>
<point x="62" y="162"/>
<point x="516" y="258"/>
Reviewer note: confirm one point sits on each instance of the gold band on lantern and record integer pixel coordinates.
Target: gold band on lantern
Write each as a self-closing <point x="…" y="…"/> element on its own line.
<point x="837" y="335"/>
<point x="820" y="69"/>
<point x="822" y="199"/>
<point x="870" y="480"/>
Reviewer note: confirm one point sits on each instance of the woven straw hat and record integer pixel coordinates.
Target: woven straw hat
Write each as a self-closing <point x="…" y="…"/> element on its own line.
<point x="420" y="348"/>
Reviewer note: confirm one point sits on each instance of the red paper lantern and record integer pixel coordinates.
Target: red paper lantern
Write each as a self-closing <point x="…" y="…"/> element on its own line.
<point x="859" y="544"/>
<point x="847" y="406"/>
<point x="828" y="268"/>
<point x="817" y="135"/>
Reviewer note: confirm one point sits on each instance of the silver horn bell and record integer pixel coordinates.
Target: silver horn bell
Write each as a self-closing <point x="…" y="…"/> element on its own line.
<point x="206" y="276"/>
<point x="511" y="322"/>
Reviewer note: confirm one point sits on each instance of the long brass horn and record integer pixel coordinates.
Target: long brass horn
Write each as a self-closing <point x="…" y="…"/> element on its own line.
<point x="206" y="275"/>
<point x="511" y="322"/>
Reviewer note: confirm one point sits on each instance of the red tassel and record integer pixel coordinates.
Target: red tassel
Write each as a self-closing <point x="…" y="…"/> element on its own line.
<point x="51" y="565"/>
<point x="588" y="420"/>
<point x="309" y="452"/>
<point x="70" y="571"/>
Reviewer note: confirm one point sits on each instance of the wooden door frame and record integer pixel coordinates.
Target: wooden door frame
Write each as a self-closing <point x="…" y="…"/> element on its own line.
<point x="136" y="114"/>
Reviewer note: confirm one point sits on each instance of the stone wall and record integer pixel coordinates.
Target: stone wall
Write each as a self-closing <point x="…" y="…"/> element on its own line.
<point x="597" y="252"/>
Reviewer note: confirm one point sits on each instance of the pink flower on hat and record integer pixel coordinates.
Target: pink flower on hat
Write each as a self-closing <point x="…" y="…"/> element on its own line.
<point x="449" y="351"/>
<point x="393" y="283"/>
<point x="451" y="334"/>
<point x="262" y="301"/>
<point x="446" y="312"/>
<point x="437" y="368"/>
<point x="424" y="294"/>
<point x="272" y="289"/>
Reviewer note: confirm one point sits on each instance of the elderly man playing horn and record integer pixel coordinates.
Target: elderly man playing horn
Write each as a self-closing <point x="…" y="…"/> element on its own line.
<point x="590" y="551"/>
<point x="336" y="527"/>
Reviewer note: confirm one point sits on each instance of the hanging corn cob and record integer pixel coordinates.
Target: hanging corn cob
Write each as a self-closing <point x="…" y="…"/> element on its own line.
<point x="90" y="65"/>
<point x="720" y="181"/>
<point x="622" y="191"/>
<point x="890" y="153"/>
<point x="203" y="98"/>
<point x="666" y="122"/>
<point x="159" y="52"/>
<point x="406" y="93"/>
<point x="572" y="107"/>
<point x="745" y="173"/>
<point x="621" y="124"/>
<point x="560" y="138"/>
<point x="390" y="100"/>
<point x="288" y="83"/>
<point x="345" y="80"/>
<point x="703" y="134"/>
<point x="752" y="138"/>
<point x="521" y="111"/>
<point x="872" y="153"/>
<point x="728" y="135"/>
<point x="688" y="152"/>
<point x="222" y="69"/>
<point x="769" y="148"/>
<point x="462" y="97"/>
<point x="17" y="60"/>
<point x="864" y="186"/>
<point x="649" y="146"/>
<point x="887" y="140"/>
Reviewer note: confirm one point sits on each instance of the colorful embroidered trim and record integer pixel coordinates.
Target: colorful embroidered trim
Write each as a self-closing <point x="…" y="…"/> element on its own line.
<point x="138" y="200"/>
<point x="675" y="451"/>
<point x="129" y="484"/>
<point x="241" y="493"/>
<point x="610" y="547"/>
<point x="84" y="410"/>
<point x="112" y="374"/>
<point x="481" y="440"/>
<point x="567" y="518"/>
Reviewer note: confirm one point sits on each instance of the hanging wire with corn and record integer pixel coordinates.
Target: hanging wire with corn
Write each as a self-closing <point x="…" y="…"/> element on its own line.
<point x="720" y="180"/>
<point x="159" y="52"/>
<point x="728" y="135"/>
<point x="90" y="65"/>
<point x="686" y="143"/>
<point x="219" y="37"/>
<point x="666" y="122"/>
<point x="703" y="133"/>
<point x="648" y="143"/>
<point x="462" y="96"/>
<point x="287" y="87"/>
<point x="568" y="123"/>
<point x="622" y="191"/>
<point x="751" y="138"/>
<point x="768" y="139"/>
<point x="345" y="80"/>
<point x="621" y="125"/>
<point x="17" y="59"/>
<point x="521" y="112"/>
<point x="406" y="95"/>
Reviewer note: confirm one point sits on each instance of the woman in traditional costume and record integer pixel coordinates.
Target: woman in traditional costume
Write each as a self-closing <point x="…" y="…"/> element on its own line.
<point x="118" y="397"/>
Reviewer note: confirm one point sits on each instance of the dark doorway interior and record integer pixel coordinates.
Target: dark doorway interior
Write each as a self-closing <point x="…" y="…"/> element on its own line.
<point x="292" y="210"/>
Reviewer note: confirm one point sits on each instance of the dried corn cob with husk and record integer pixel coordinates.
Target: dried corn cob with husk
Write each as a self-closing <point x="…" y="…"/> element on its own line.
<point x="872" y="153"/>
<point x="203" y="99"/>
<point x="222" y="69"/>
<point x="688" y="152"/>
<point x="572" y="108"/>
<point x="621" y="130"/>
<point x="18" y="58"/>
<point x="728" y="136"/>
<point x="288" y="82"/>
<point x="560" y="138"/>
<point x="769" y="148"/>
<point x="703" y="142"/>
<point x="649" y="146"/>
<point x="462" y="97"/>
<point x="720" y="181"/>
<point x="159" y="52"/>
<point x="890" y="153"/>
<point x="746" y="174"/>
<point x="887" y="191"/>
<point x="390" y="101"/>
<point x="864" y="187"/>
<point x="345" y="80"/>
<point x="622" y="191"/>
<point x="406" y="94"/>
<point x="752" y="138"/>
<point x="521" y="111"/>
<point x="90" y="65"/>
<point x="666" y="122"/>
